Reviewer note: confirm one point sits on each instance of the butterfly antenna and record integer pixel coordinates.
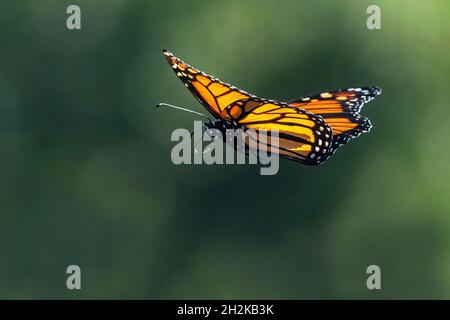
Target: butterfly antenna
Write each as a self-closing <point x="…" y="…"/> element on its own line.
<point x="182" y="109"/>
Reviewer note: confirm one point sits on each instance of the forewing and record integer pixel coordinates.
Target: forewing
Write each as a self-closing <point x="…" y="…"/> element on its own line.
<point x="212" y="93"/>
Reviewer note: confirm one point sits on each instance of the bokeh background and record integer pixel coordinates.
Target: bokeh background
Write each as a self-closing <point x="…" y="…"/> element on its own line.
<point x="86" y="176"/>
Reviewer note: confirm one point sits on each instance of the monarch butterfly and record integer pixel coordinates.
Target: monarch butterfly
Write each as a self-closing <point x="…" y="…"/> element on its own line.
<point x="310" y="129"/>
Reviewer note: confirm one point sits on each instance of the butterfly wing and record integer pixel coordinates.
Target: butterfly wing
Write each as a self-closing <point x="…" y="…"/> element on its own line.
<point x="212" y="93"/>
<point x="303" y="137"/>
<point x="340" y="109"/>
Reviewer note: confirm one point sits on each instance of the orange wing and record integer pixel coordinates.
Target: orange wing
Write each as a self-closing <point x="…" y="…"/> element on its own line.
<point x="340" y="109"/>
<point x="212" y="93"/>
<point x="303" y="137"/>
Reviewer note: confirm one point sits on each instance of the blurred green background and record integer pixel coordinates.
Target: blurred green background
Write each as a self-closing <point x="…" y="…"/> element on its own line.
<point x="86" y="176"/>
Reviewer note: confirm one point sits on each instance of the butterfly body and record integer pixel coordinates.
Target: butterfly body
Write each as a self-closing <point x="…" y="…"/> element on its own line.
<point x="310" y="128"/>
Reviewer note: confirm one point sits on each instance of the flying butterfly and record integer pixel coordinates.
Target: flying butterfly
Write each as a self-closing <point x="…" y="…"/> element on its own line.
<point x="310" y="128"/>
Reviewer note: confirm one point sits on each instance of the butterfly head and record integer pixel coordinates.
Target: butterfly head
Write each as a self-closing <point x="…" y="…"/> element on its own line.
<point x="218" y="124"/>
